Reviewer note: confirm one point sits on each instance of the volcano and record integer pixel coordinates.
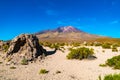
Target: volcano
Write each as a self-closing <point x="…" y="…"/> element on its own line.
<point x="65" y="34"/>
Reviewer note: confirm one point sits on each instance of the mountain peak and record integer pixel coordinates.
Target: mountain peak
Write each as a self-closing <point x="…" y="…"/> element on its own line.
<point x="67" y="29"/>
<point x="65" y="34"/>
<point x="62" y="29"/>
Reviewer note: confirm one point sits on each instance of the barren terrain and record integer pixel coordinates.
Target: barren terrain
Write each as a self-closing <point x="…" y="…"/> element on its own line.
<point x="69" y="69"/>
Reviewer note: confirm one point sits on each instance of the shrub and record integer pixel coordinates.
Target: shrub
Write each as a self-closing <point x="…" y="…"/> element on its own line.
<point x="116" y="45"/>
<point x="91" y="44"/>
<point x="75" y="44"/>
<point x="106" y="46"/>
<point x="24" y="61"/>
<point x="5" y="47"/>
<point x="114" y="62"/>
<point x="70" y="49"/>
<point x="56" y="46"/>
<point x="62" y="44"/>
<point x="97" y="44"/>
<point x="99" y="78"/>
<point x="80" y="53"/>
<point x="114" y="49"/>
<point x="103" y="65"/>
<point x="43" y="71"/>
<point x="112" y="77"/>
<point x="47" y="44"/>
<point x="1" y="62"/>
<point x="12" y="67"/>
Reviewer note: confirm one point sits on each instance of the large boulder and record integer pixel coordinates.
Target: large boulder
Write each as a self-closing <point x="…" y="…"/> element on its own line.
<point x="24" y="46"/>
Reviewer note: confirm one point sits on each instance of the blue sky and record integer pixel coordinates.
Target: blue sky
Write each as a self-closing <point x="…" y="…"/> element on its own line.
<point x="29" y="16"/>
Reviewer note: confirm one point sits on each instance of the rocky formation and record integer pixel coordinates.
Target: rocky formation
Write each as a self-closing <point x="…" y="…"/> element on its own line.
<point x="24" y="46"/>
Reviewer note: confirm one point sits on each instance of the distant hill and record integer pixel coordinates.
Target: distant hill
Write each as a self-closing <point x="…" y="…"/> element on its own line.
<point x="65" y="34"/>
<point x="106" y="40"/>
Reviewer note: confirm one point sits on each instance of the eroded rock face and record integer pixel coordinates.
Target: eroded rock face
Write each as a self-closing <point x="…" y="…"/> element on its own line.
<point x="24" y="46"/>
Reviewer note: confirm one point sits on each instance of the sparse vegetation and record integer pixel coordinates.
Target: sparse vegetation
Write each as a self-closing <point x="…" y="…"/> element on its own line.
<point x="80" y="53"/>
<point x="106" y="46"/>
<point x="12" y="67"/>
<point x="112" y="77"/>
<point x="97" y="44"/>
<point x="108" y="40"/>
<point x="114" y="49"/>
<point x="1" y="62"/>
<point x="114" y="62"/>
<point x="75" y="44"/>
<point x="103" y="65"/>
<point x="91" y="44"/>
<point x="58" y="46"/>
<point x="52" y="45"/>
<point x="5" y="47"/>
<point x="115" y="45"/>
<point x="24" y="61"/>
<point x="70" y="49"/>
<point x="43" y="71"/>
<point x="99" y="78"/>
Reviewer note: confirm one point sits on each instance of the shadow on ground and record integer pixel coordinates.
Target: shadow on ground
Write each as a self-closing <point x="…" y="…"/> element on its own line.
<point x="47" y="53"/>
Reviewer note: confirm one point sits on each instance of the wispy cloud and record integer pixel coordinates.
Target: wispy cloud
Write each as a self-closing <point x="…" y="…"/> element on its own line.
<point x="114" y="22"/>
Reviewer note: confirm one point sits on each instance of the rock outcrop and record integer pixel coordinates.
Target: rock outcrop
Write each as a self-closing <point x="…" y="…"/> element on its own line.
<point x="24" y="46"/>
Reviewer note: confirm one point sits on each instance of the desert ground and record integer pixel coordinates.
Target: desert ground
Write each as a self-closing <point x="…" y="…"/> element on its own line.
<point x="69" y="69"/>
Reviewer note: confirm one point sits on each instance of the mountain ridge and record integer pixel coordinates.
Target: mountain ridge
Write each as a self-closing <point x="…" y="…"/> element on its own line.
<point x="62" y="29"/>
<point x="65" y="34"/>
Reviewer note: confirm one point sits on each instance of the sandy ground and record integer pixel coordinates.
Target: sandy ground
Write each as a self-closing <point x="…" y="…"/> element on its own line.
<point x="70" y="69"/>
